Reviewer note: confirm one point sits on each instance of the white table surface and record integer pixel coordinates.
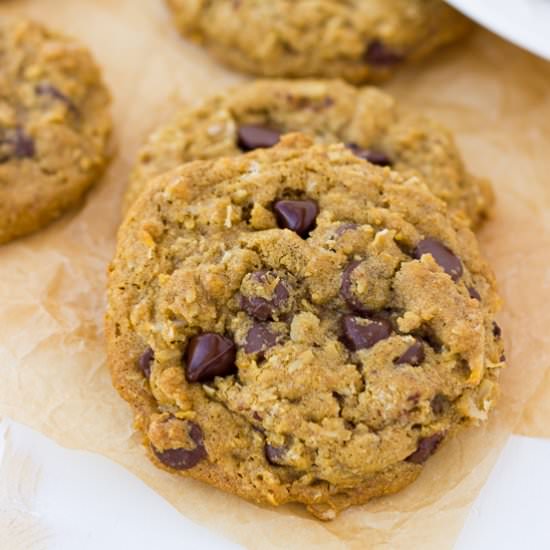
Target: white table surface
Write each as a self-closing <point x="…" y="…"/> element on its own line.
<point x="62" y="499"/>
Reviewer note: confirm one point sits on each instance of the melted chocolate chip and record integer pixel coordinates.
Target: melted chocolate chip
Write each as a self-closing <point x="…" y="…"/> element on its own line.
<point x="474" y="294"/>
<point x="370" y="155"/>
<point x="358" y="335"/>
<point x="379" y="54"/>
<point x="426" y="448"/>
<point x="274" y="454"/>
<point x="23" y="145"/>
<point x="16" y="143"/>
<point x="250" y="137"/>
<point x="439" y="403"/>
<point x="497" y="331"/>
<point x="442" y="255"/>
<point x="209" y="355"/>
<point x="298" y="216"/>
<point x="46" y="89"/>
<point x="346" y="291"/>
<point x="414" y="356"/>
<point x="260" y="338"/>
<point x="184" y="459"/>
<point x="259" y="307"/>
<point x="145" y="361"/>
<point x="503" y="358"/>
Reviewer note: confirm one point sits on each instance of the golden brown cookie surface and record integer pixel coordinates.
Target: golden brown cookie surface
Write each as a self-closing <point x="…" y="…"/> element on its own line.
<point x="295" y="324"/>
<point x="368" y="120"/>
<point x="54" y="126"/>
<point x="358" y="40"/>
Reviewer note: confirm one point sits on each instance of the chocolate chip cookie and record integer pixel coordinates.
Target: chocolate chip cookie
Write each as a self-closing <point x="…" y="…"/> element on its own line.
<point x="54" y="126"/>
<point x="366" y="119"/>
<point x="358" y="40"/>
<point x="297" y="325"/>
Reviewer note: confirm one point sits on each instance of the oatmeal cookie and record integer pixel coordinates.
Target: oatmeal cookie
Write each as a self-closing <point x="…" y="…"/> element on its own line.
<point x="297" y="325"/>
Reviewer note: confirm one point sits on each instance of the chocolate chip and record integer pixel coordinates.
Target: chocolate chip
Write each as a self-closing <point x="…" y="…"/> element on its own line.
<point x="439" y="403"/>
<point x="372" y="156"/>
<point x="474" y="294"/>
<point x="209" y="355"/>
<point x="414" y="398"/>
<point x="414" y="356"/>
<point x="260" y="308"/>
<point x="274" y="454"/>
<point x="184" y="459"/>
<point x="46" y="89"/>
<point x="346" y="289"/>
<point x="364" y="333"/>
<point x="442" y="255"/>
<point x="250" y="137"/>
<point x="298" y="216"/>
<point x="381" y="55"/>
<point x="502" y="358"/>
<point x="22" y="144"/>
<point x="497" y="331"/>
<point x="147" y="357"/>
<point x="260" y="338"/>
<point x="426" y="448"/>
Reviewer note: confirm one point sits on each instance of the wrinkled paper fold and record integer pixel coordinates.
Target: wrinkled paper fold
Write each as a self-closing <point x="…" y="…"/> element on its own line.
<point x="52" y="359"/>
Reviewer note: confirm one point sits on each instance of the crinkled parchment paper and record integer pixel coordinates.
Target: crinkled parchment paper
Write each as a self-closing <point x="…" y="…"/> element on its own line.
<point x="53" y="375"/>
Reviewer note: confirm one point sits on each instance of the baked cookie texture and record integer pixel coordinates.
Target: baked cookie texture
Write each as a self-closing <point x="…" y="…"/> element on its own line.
<point x="54" y="125"/>
<point x="368" y="120"/>
<point x="297" y="325"/>
<point x="357" y="40"/>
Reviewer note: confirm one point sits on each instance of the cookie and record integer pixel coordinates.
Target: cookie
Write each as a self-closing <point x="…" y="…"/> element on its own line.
<point x="297" y="325"/>
<point x="54" y="126"/>
<point x="368" y="120"/>
<point x="358" y="40"/>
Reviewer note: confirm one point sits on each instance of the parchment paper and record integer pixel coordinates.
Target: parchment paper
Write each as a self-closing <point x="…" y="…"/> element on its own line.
<point x="53" y="375"/>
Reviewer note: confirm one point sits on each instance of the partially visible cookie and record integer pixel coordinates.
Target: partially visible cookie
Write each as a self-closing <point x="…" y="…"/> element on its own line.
<point x="297" y="325"/>
<point x="358" y="40"/>
<point x="54" y="126"/>
<point x="368" y="120"/>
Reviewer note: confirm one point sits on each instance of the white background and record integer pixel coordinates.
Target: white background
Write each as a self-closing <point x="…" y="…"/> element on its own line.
<point x="60" y="499"/>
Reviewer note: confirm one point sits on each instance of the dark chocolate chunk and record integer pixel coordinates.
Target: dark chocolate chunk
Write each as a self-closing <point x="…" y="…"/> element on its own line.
<point x="147" y="357"/>
<point x="497" y="331"/>
<point x="209" y="355"/>
<point x="442" y="255"/>
<point x="346" y="289"/>
<point x="379" y="54"/>
<point x="260" y="338"/>
<point x="260" y="308"/>
<point x="274" y="454"/>
<point x="474" y="294"/>
<point x="439" y="403"/>
<point x="370" y="155"/>
<point x="250" y="137"/>
<point x="364" y="333"/>
<point x="414" y="356"/>
<point x="23" y="145"/>
<point x="184" y="459"/>
<point x="47" y="89"/>
<point x="298" y="216"/>
<point x="426" y="448"/>
<point x="15" y="143"/>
